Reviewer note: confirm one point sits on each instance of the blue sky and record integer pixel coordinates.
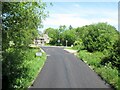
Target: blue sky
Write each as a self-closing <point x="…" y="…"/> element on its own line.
<point x="79" y="14"/>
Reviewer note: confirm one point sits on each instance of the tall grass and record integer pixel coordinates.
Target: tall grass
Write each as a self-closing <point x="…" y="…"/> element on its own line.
<point x="107" y="71"/>
<point x="21" y="67"/>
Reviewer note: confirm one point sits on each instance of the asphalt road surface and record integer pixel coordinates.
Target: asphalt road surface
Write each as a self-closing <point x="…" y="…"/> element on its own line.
<point x="64" y="70"/>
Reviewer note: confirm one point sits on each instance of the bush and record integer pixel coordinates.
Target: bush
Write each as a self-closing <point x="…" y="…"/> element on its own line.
<point x="92" y="59"/>
<point x="113" y="56"/>
<point x="79" y="45"/>
<point x="68" y="35"/>
<point x="20" y="66"/>
<point x="109" y="74"/>
<point x="107" y="71"/>
<point x="97" y="37"/>
<point x="94" y="40"/>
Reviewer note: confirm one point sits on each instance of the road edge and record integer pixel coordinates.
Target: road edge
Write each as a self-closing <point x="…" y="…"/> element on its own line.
<point x="38" y="70"/>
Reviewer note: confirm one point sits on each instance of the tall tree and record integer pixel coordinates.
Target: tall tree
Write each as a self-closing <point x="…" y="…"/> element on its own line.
<point x="20" y="21"/>
<point x="53" y="34"/>
<point x="70" y="27"/>
<point x="62" y="28"/>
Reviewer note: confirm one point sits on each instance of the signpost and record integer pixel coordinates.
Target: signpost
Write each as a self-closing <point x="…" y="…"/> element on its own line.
<point x="66" y="42"/>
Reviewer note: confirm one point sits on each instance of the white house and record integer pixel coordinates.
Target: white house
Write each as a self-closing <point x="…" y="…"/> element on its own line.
<point x="42" y="40"/>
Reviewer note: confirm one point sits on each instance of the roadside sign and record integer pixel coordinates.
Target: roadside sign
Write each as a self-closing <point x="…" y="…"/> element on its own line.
<point x="58" y="40"/>
<point x="38" y="54"/>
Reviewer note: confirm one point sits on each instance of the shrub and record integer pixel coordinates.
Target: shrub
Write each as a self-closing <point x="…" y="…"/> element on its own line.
<point x="79" y="45"/>
<point x="107" y="71"/>
<point x="109" y="74"/>
<point x="20" y="66"/>
<point x="113" y="56"/>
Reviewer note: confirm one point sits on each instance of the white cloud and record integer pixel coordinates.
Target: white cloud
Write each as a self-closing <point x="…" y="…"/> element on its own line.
<point x="76" y="5"/>
<point x="65" y="19"/>
<point x="75" y="20"/>
<point x="82" y="16"/>
<point x="80" y="0"/>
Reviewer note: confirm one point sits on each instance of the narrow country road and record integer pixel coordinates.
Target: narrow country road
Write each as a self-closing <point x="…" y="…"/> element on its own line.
<point x="64" y="70"/>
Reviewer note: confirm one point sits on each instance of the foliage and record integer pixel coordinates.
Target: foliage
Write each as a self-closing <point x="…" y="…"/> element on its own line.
<point x="21" y="67"/>
<point x="20" y="21"/>
<point x="92" y="59"/>
<point x="101" y="37"/>
<point x="96" y="38"/>
<point x="70" y="27"/>
<point x="62" y="28"/>
<point x="113" y="56"/>
<point x="101" y="50"/>
<point x="53" y="34"/>
<point x="68" y="35"/>
<point x="109" y="74"/>
<point x="61" y="34"/>
<point x="107" y="71"/>
<point x="78" y="44"/>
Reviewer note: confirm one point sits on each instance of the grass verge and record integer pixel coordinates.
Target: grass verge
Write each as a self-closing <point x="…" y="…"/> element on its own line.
<point x="71" y="48"/>
<point x="107" y="72"/>
<point x="22" y="67"/>
<point x="35" y="67"/>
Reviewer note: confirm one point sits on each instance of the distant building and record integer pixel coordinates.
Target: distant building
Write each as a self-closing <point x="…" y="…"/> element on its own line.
<point x="42" y="40"/>
<point x="46" y="38"/>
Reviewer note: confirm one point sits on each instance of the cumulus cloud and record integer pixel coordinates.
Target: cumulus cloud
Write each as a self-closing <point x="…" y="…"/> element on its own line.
<point x="79" y="16"/>
<point x="75" y="20"/>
